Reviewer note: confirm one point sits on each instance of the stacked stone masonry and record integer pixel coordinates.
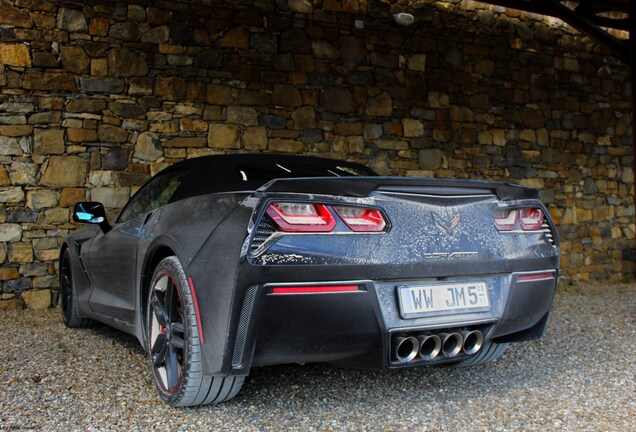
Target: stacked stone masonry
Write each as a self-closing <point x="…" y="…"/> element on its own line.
<point x="96" y="96"/>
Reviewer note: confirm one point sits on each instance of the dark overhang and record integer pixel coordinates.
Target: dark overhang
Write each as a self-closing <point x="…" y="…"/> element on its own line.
<point x="605" y="21"/>
<point x="595" y="18"/>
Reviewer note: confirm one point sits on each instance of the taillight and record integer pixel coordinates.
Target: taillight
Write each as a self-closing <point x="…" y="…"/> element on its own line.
<point x="301" y="217"/>
<point x="360" y="219"/>
<point x="505" y="219"/>
<point x="530" y="219"/>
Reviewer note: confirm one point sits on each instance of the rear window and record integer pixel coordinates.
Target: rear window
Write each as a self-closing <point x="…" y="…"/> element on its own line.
<point x="264" y="172"/>
<point x="248" y="172"/>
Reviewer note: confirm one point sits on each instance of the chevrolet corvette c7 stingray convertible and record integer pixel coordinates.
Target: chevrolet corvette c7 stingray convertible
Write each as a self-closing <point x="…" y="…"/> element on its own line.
<point x="223" y="263"/>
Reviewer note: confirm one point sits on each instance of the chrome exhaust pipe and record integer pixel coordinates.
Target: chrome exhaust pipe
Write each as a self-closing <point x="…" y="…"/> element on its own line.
<point x="473" y="341"/>
<point x="405" y="348"/>
<point x="451" y="343"/>
<point x="430" y="346"/>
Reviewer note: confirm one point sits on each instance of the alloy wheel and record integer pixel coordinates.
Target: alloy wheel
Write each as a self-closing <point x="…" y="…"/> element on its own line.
<point x="166" y="332"/>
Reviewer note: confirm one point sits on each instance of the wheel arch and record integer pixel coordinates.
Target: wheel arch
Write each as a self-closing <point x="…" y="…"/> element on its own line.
<point x="63" y="248"/>
<point x="57" y="294"/>
<point x="150" y="264"/>
<point x="160" y="247"/>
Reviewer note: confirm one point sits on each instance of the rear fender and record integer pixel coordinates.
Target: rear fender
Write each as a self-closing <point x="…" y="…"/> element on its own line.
<point x="178" y="229"/>
<point x="213" y="272"/>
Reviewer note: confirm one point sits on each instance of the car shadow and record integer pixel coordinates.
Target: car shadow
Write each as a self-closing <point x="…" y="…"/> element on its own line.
<point x="310" y="385"/>
<point x="121" y="339"/>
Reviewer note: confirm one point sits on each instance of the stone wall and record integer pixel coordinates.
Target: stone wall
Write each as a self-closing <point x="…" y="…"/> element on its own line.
<point x="99" y="95"/>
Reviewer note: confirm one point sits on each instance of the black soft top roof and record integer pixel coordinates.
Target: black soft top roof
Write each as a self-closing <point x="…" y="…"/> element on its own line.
<point x="243" y="172"/>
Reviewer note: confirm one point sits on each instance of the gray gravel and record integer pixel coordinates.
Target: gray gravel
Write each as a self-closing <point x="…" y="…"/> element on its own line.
<point x="579" y="377"/>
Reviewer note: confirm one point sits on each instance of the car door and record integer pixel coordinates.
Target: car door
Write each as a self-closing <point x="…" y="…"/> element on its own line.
<point x="112" y="257"/>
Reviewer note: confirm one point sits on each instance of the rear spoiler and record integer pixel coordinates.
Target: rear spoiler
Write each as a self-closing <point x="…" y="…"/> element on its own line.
<point x="364" y="186"/>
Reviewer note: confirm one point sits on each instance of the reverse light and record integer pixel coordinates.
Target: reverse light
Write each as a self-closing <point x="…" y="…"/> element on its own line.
<point x="301" y="217"/>
<point x="530" y="219"/>
<point x="360" y="219"/>
<point x="505" y="219"/>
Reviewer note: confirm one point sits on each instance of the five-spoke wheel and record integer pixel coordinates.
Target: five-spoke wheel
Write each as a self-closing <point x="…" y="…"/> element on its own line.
<point x="174" y="342"/>
<point x="166" y="332"/>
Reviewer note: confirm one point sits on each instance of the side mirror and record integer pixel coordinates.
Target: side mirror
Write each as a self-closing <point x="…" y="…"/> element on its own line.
<point x="92" y="213"/>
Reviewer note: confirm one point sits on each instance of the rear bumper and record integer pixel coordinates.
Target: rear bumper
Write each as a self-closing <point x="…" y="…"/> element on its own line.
<point x="355" y="329"/>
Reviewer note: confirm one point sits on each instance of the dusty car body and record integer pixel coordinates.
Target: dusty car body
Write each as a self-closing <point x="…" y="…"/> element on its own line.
<point x="224" y="263"/>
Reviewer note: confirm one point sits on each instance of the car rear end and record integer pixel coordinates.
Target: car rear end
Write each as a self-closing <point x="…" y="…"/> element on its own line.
<point x="390" y="272"/>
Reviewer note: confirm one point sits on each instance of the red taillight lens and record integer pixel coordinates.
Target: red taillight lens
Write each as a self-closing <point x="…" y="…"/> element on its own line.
<point x="360" y="219"/>
<point x="535" y="277"/>
<point x="315" y="289"/>
<point x="301" y="217"/>
<point x="505" y="219"/>
<point x="530" y="219"/>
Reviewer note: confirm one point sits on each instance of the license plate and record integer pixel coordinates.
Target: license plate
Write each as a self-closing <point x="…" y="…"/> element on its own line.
<point x="436" y="299"/>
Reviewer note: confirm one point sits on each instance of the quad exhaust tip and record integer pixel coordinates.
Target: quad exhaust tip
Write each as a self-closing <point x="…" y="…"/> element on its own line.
<point x="473" y="340"/>
<point x="405" y="348"/>
<point x="451" y="344"/>
<point x="430" y="346"/>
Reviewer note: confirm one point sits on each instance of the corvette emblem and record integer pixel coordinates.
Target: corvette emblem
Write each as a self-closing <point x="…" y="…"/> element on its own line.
<point x="450" y="226"/>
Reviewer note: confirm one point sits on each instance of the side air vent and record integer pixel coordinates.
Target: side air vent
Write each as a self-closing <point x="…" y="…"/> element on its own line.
<point x="244" y="323"/>
<point x="264" y="230"/>
<point x="545" y="227"/>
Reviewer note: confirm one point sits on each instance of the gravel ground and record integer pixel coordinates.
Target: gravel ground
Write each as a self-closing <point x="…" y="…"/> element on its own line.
<point x="580" y="377"/>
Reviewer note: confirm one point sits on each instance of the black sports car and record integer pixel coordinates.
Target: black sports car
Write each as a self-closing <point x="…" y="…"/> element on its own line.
<point x="223" y="263"/>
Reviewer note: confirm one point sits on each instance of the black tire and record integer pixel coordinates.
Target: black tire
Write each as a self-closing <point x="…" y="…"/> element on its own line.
<point x="173" y="343"/>
<point x="68" y="299"/>
<point x="489" y="353"/>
